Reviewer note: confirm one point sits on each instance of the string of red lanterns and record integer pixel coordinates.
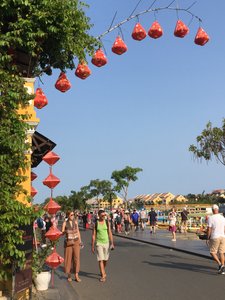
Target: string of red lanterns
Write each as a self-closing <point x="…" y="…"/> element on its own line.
<point x="53" y="234"/>
<point x="119" y="47"/>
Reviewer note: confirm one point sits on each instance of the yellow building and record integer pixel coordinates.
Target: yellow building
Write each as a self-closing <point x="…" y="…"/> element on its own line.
<point x="33" y="121"/>
<point x="159" y="198"/>
<point x="101" y="203"/>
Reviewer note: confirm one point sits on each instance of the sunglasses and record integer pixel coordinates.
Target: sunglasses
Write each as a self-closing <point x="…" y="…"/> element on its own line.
<point x="71" y="215"/>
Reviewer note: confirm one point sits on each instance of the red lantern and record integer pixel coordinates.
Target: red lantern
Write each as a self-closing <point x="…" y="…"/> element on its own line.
<point x="53" y="234"/>
<point x="40" y="99"/>
<point x="33" y="191"/>
<point x="82" y="71"/>
<point x="119" y="47"/>
<point x="99" y="59"/>
<point x="139" y="32"/>
<point x="33" y="176"/>
<point x="52" y="207"/>
<point x="62" y="84"/>
<point x="51" y="158"/>
<point x="201" y="37"/>
<point x="181" y="29"/>
<point x="155" y="30"/>
<point x="54" y="260"/>
<point x="51" y="181"/>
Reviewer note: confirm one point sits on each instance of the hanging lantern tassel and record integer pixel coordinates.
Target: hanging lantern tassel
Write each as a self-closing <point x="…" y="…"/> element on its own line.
<point x="181" y="29"/>
<point x="119" y="47"/>
<point x="201" y="37"/>
<point x="40" y="99"/>
<point x="99" y="59"/>
<point x="83" y="71"/>
<point x="62" y="84"/>
<point x="155" y="30"/>
<point x="139" y="32"/>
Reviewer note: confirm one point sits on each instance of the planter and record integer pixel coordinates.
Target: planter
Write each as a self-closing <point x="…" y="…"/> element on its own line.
<point x="42" y="280"/>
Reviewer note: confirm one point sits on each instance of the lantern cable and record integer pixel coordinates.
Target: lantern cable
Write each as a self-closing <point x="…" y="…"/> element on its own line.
<point x="168" y="7"/>
<point x="112" y="20"/>
<point x="135" y="8"/>
<point x="191" y="5"/>
<point x="152" y="4"/>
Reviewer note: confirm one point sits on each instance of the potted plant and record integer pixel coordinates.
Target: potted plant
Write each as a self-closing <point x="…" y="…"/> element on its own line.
<point x="41" y="273"/>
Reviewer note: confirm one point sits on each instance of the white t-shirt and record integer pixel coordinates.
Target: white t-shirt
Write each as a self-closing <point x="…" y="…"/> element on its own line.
<point x="172" y="218"/>
<point x="217" y="223"/>
<point x="143" y="214"/>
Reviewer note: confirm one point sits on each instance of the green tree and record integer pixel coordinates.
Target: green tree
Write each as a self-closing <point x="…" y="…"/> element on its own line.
<point x="110" y="194"/>
<point x="36" y="36"/>
<point x="210" y="144"/>
<point x="123" y="178"/>
<point x="99" y="188"/>
<point x="79" y="198"/>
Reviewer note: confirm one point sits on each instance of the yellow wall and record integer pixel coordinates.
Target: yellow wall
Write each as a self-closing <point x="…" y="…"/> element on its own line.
<point x="33" y="121"/>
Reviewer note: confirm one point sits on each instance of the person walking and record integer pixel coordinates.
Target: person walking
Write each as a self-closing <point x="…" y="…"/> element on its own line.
<point x="135" y="219"/>
<point x="84" y="219"/>
<point x="184" y="220"/>
<point x="172" y="217"/>
<point x="127" y="222"/>
<point x="72" y="246"/>
<point x="101" y="236"/>
<point x="143" y="219"/>
<point x="216" y="238"/>
<point x="152" y="220"/>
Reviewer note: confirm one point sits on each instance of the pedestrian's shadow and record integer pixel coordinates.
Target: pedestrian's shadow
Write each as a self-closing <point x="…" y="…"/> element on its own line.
<point x="89" y="275"/>
<point x="183" y="266"/>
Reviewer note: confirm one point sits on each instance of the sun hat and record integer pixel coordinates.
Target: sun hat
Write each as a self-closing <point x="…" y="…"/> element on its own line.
<point x="215" y="206"/>
<point x="101" y="210"/>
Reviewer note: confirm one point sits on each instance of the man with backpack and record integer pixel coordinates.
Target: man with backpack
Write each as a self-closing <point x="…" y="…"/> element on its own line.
<point x="101" y="236"/>
<point x="42" y="227"/>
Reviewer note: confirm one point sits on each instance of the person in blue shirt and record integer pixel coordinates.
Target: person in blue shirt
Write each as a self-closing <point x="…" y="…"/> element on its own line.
<point x="135" y="219"/>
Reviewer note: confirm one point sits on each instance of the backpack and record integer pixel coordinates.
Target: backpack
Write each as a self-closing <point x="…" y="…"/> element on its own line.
<point x="118" y="219"/>
<point x="40" y="223"/>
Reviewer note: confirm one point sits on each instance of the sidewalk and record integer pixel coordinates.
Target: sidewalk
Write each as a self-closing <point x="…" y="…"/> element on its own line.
<point x="188" y="243"/>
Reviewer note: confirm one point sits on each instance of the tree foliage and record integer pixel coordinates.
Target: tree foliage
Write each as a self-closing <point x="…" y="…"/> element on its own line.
<point x="123" y="178"/>
<point x="210" y="144"/>
<point x="36" y="36"/>
<point x="52" y="33"/>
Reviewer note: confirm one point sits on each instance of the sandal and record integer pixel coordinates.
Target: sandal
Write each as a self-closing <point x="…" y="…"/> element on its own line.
<point x="77" y="279"/>
<point x="69" y="279"/>
<point x="102" y="279"/>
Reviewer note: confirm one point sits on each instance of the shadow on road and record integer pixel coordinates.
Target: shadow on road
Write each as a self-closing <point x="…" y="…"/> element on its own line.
<point x="183" y="266"/>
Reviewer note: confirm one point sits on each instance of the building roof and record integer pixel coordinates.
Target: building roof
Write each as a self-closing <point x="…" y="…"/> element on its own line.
<point x="41" y="145"/>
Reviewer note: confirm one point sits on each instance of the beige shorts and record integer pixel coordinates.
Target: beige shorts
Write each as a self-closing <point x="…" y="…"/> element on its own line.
<point x="217" y="245"/>
<point x="102" y="252"/>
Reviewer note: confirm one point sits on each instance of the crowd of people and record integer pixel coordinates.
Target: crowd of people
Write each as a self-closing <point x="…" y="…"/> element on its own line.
<point x="103" y="224"/>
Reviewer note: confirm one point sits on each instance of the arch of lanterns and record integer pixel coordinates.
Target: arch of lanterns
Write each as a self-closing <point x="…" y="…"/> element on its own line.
<point x="83" y="71"/>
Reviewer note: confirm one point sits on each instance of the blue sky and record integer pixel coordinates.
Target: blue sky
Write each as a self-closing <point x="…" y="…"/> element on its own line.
<point x="142" y="109"/>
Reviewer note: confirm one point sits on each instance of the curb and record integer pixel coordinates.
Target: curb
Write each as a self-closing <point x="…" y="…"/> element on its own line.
<point x="164" y="246"/>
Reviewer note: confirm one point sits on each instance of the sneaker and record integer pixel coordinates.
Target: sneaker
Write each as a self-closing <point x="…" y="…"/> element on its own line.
<point x="173" y="240"/>
<point x="221" y="270"/>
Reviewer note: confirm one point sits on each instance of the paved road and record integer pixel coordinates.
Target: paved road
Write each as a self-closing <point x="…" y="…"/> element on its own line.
<point x="141" y="271"/>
